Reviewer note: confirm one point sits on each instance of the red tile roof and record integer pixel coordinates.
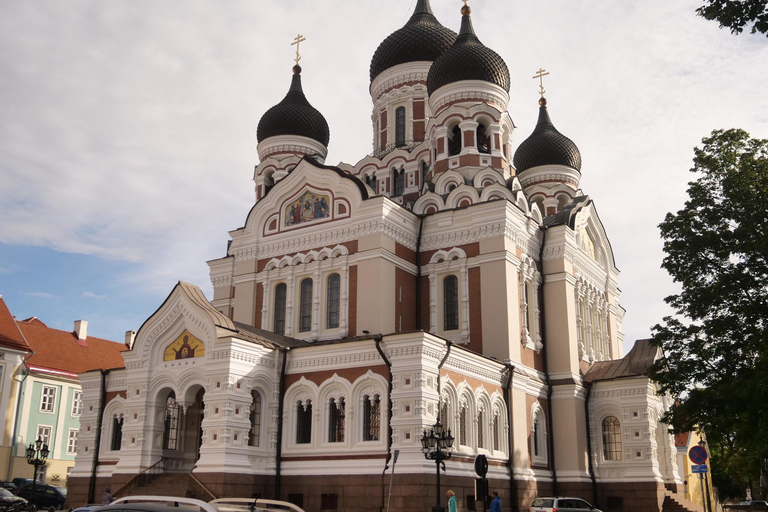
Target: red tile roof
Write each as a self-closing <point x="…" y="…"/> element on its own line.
<point x="682" y="439"/>
<point x="59" y="350"/>
<point x="10" y="335"/>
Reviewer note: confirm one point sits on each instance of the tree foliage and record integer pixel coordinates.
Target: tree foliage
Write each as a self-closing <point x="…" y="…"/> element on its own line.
<point x="716" y="344"/>
<point x="737" y="14"/>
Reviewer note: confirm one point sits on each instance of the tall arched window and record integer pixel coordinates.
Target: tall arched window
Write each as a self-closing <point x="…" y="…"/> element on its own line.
<point x="480" y="429"/>
<point x="450" y="303"/>
<point x="611" y="438"/>
<point x="424" y="173"/>
<point x="303" y="422"/>
<point x="400" y="126"/>
<point x="336" y="416"/>
<point x="117" y="432"/>
<point x="538" y="436"/>
<point x="371" y="418"/>
<point x="332" y="302"/>
<point x="454" y="144"/>
<point x="171" y="431"/>
<point x="255" y="418"/>
<point x="279" y="314"/>
<point x="496" y="432"/>
<point x="305" y="308"/>
<point x="483" y="140"/>
<point x="399" y="179"/>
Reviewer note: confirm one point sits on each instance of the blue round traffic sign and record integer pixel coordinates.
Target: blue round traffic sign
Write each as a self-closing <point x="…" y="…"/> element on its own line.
<point x="698" y="455"/>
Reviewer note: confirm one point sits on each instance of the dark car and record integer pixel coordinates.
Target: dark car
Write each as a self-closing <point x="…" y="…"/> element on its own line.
<point x="9" y="502"/>
<point x="44" y="496"/>
<point x="20" y="482"/>
<point x="9" y="486"/>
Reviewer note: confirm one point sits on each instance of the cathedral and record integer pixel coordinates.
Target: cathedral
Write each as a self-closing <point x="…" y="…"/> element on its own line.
<point x="441" y="281"/>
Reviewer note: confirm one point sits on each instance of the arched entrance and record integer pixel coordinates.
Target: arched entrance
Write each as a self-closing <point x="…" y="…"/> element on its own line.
<point x="182" y="429"/>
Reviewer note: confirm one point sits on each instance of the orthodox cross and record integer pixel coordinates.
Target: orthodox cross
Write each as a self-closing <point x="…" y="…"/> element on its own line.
<point x="540" y="74"/>
<point x="299" y="38"/>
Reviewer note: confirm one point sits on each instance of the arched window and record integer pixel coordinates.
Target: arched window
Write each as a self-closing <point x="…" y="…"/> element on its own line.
<point x="538" y="436"/>
<point x="480" y="429"/>
<point x="496" y="432"/>
<point x="370" y="180"/>
<point x="454" y="144"/>
<point x="371" y="418"/>
<point x="117" y="432"/>
<point x="279" y="314"/>
<point x="332" y="302"/>
<point x="305" y="308"/>
<point x="255" y="418"/>
<point x="398" y="178"/>
<point x="171" y="431"/>
<point x="424" y="173"/>
<point x="400" y="126"/>
<point x="450" y="303"/>
<point x="483" y="140"/>
<point x="269" y="182"/>
<point x="303" y="422"/>
<point x="463" y="425"/>
<point x="611" y="438"/>
<point x="336" y="420"/>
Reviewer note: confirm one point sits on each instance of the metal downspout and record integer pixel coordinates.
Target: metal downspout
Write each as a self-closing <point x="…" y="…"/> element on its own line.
<point x="280" y="406"/>
<point x="449" y="344"/>
<point x="550" y="430"/>
<point x="513" y="495"/>
<point x="97" y="448"/>
<point x="377" y="341"/>
<point x="589" y="446"/>
<point x="13" y="440"/>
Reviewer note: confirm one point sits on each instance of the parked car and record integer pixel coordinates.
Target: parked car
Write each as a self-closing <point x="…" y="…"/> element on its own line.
<point x="161" y="504"/>
<point x="9" y="486"/>
<point x="20" y="482"/>
<point x="9" y="502"/>
<point x="754" y="503"/>
<point x="561" y="504"/>
<point x="44" y="496"/>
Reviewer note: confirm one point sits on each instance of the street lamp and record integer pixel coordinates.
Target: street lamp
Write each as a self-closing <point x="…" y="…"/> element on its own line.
<point x="36" y="455"/>
<point x="437" y="445"/>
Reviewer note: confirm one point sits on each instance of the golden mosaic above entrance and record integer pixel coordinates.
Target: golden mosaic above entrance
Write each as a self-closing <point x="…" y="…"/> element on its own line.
<point x="184" y="347"/>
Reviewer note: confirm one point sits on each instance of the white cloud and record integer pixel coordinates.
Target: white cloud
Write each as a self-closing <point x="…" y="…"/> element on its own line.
<point x="91" y="295"/>
<point x="40" y="295"/>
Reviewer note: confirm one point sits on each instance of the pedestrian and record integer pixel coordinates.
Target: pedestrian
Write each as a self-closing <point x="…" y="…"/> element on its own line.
<point x="453" y="503"/>
<point x="108" y="498"/>
<point x="495" y="503"/>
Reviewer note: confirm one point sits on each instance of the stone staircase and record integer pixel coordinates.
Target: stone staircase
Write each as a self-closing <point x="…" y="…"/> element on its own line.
<point x="166" y="484"/>
<point x="674" y="502"/>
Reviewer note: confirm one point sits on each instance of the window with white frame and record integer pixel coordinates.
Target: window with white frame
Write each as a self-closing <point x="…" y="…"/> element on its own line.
<point x="480" y="428"/>
<point x="255" y="418"/>
<point x="611" y="438"/>
<point x="592" y="322"/>
<point x="336" y="415"/>
<point x="333" y="301"/>
<point x="305" y="306"/>
<point x="117" y="432"/>
<point x="77" y="403"/>
<point x="463" y="425"/>
<point x="72" y="441"/>
<point x="44" y="434"/>
<point x="450" y="303"/>
<point x="303" y="422"/>
<point x="449" y="295"/>
<point x="538" y="435"/>
<point x="278" y="325"/>
<point x="530" y="279"/>
<point x="371" y="417"/>
<point x="47" y="399"/>
<point x="496" y="431"/>
<point x="400" y="126"/>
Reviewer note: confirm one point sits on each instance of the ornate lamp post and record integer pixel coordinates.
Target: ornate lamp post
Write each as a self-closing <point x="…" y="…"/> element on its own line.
<point x="437" y="446"/>
<point x="36" y="455"/>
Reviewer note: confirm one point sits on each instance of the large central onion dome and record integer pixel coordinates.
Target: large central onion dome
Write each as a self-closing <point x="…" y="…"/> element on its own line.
<point x="423" y="38"/>
<point x="546" y="146"/>
<point x="468" y="59"/>
<point x="294" y="116"/>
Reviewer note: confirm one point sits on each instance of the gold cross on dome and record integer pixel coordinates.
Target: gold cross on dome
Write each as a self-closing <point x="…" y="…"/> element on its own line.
<point x="299" y="38"/>
<point x="540" y="74"/>
<point x="466" y="3"/>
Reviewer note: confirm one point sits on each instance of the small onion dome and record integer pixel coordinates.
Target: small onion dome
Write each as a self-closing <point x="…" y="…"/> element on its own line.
<point x="423" y="38"/>
<point x="546" y="146"/>
<point x="468" y="59"/>
<point x="294" y="116"/>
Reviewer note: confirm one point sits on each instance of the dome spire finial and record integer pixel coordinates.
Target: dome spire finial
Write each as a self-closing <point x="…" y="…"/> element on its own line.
<point x="466" y="20"/>
<point x="422" y="7"/>
<point x="540" y="74"/>
<point x="298" y="39"/>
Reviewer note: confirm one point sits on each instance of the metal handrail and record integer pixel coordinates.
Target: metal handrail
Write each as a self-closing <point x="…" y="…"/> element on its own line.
<point x="151" y="470"/>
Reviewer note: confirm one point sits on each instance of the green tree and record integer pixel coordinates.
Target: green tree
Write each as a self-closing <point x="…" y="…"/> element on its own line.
<point x="736" y="14"/>
<point x="716" y="344"/>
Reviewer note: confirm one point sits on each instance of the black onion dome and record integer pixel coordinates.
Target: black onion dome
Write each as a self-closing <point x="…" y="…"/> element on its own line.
<point x="294" y="116"/>
<point x="423" y="38"/>
<point x="546" y="146"/>
<point x="468" y="59"/>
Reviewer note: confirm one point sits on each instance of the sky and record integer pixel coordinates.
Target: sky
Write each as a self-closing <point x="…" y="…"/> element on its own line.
<point x="128" y="127"/>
